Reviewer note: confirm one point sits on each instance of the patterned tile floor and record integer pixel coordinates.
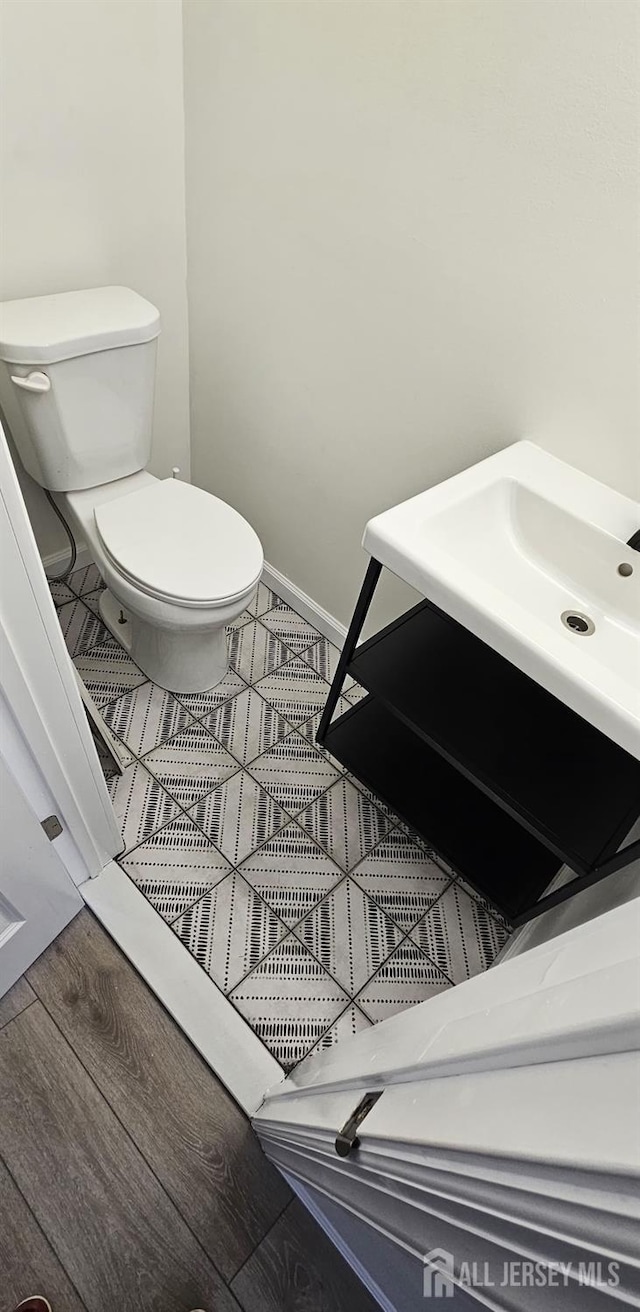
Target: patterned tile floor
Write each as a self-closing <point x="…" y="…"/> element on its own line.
<point x="307" y="902"/>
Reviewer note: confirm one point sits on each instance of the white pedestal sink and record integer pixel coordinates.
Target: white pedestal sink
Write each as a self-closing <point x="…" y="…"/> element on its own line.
<point x="530" y="555"/>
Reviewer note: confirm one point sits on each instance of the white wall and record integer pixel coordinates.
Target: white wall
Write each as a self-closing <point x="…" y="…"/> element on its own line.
<point x="92" y="143"/>
<point x="411" y="240"/>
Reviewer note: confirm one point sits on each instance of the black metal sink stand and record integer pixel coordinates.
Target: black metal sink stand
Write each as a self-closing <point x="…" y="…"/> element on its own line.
<point x="499" y="777"/>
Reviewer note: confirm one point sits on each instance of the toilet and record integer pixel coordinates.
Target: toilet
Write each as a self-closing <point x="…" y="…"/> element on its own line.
<point x="77" y="374"/>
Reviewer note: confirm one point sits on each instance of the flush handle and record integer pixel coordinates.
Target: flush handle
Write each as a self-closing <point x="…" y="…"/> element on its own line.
<point x="35" y="382"/>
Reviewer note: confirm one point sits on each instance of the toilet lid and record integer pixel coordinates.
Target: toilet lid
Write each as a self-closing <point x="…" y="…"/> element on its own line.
<point x="181" y="543"/>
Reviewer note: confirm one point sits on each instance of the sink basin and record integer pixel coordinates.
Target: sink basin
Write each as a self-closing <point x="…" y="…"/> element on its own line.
<point x="525" y="552"/>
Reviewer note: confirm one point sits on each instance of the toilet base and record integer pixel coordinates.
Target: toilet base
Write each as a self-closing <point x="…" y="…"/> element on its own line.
<point x="178" y="660"/>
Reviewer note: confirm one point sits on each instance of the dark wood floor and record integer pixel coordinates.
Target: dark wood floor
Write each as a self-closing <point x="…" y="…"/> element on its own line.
<point x="129" y="1180"/>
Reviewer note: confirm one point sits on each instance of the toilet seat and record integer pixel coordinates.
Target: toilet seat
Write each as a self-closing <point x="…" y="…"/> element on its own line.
<point x="178" y="543"/>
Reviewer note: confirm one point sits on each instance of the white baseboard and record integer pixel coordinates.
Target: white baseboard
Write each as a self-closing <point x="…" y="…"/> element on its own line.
<point x="300" y="601"/>
<point x="228" y="1045"/>
<point x="54" y="562"/>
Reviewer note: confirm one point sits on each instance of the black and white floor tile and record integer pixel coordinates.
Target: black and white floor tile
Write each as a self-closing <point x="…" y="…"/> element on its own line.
<point x="254" y="651"/>
<point x="354" y="693"/>
<point x="203" y="703"/>
<point x="352" y="1021"/>
<point x="92" y="600"/>
<point x="245" y="617"/>
<point x="304" y="897"/>
<point x="60" y="591"/>
<point x="175" y="867"/>
<point x="140" y="803"/>
<point x="404" y="979"/>
<point x="290" y="1000"/>
<point x="191" y="764"/>
<point x="345" y="823"/>
<point x="290" y="628"/>
<point x="85" y="580"/>
<point x="81" y="628"/>
<point x="247" y="725"/>
<point x="295" y="690"/>
<point x="294" y="773"/>
<point x="108" y="671"/>
<point x="265" y="599"/>
<point x="239" y="816"/>
<point x="146" y="717"/>
<point x="291" y="873"/>
<point x="323" y="658"/>
<point x="230" y="930"/>
<point x="350" y="935"/>
<point x="459" y="935"/>
<point x="310" y="728"/>
<point x="400" y="875"/>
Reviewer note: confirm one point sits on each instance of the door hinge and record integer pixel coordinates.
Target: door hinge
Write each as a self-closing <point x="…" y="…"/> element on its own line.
<point x="52" y="827"/>
<point x="348" y="1139"/>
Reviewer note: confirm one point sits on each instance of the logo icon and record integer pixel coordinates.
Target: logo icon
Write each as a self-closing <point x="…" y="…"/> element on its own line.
<point x="437" y="1280"/>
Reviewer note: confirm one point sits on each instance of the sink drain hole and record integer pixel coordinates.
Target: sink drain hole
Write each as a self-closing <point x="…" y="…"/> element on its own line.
<point x="578" y="623"/>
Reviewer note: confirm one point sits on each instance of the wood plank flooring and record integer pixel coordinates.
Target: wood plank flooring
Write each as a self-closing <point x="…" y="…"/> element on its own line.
<point x="27" y="1261"/>
<point x="130" y="1181"/>
<point x="15" y="1001"/>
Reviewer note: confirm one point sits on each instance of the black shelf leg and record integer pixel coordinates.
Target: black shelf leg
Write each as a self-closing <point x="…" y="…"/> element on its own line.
<point x="359" y="616"/>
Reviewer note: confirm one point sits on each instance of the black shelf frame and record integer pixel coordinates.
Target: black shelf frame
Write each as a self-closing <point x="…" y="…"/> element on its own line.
<point x="503" y="780"/>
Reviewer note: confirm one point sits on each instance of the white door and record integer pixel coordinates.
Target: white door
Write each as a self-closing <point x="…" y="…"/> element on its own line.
<point x="506" y="1134"/>
<point x="37" y="896"/>
<point x="39" y="687"/>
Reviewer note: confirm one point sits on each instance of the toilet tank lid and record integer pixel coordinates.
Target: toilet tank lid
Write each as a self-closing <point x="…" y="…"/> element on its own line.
<point x="44" y="329"/>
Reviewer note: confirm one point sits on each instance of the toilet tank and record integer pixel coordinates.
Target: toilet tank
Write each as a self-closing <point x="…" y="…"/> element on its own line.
<point x="77" y="373"/>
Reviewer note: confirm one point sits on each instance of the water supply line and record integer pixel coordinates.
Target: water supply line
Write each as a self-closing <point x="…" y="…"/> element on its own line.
<point x="55" y="578"/>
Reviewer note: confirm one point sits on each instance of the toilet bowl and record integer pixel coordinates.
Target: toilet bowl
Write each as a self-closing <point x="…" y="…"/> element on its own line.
<point x="77" y="373"/>
<point x="179" y="565"/>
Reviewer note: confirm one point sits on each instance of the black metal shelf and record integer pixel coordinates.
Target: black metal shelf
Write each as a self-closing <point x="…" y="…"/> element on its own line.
<point x="501" y="778"/>
<point x="573" y="789"/>
<point x="477" y="838"/>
